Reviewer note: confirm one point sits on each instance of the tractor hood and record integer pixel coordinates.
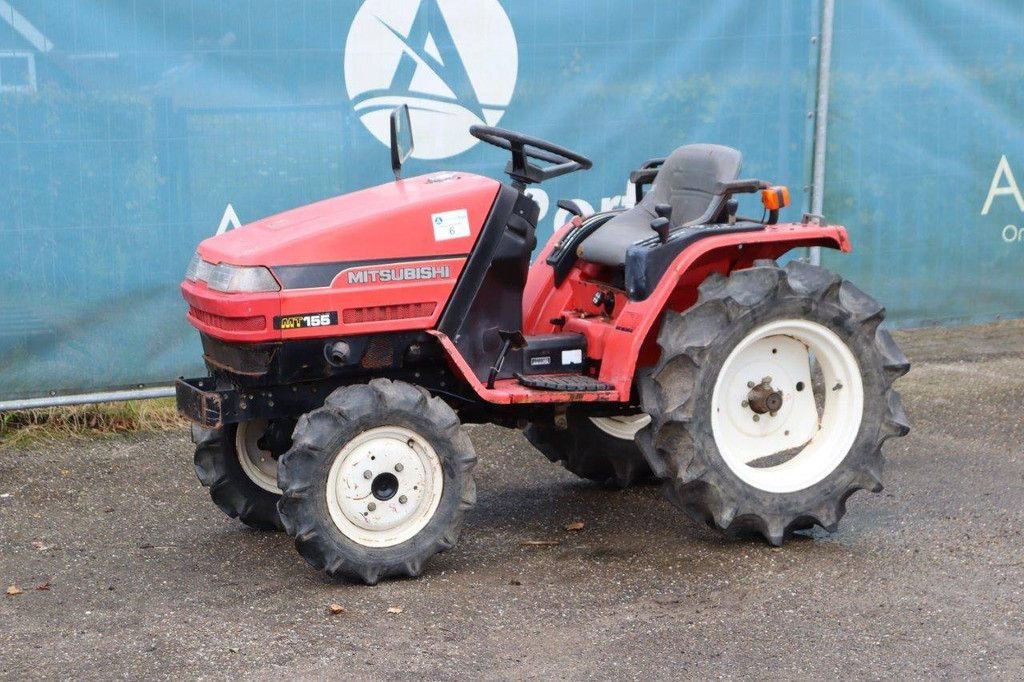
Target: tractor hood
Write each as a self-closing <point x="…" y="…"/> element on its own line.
<point x="426" y="216"/>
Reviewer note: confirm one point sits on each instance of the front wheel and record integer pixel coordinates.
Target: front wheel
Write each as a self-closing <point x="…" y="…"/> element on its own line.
<point x="376" y="482"/>
<point x="241" y="475"/>
<point x="771" y="400"/>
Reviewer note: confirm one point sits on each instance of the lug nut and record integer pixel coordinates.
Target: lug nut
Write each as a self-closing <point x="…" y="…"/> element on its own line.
<point x="399" y="467"/>
<point x="750" y="384"/>
<point x="772" y="414"/>
<point x="745" y="403"/>
<point x="367" y="474"/>
<point x="757" y="417"/>
<point x="403" y="499"/>
<point x="372" y="506"/>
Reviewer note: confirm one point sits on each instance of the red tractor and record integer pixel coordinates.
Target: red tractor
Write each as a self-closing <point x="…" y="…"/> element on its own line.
<point x="348" y="340"/>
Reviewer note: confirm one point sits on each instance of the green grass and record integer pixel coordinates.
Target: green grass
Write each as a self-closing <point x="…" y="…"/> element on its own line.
<point x="100" y="420"/>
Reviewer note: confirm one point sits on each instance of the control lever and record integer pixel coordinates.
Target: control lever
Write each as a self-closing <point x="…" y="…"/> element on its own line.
<point x="510" y="340"/>
<point x="662" y="227"/>
<point x="731" y="208"/>
<point x="663" y="223"/>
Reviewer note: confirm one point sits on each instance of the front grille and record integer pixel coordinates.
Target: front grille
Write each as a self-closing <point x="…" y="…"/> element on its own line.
<point x="385" y="313"/>
<point x="231" y="324"/>
<point x="379" y="353"/>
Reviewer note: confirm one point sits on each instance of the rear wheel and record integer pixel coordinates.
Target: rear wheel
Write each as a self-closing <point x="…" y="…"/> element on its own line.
<point x="377" y="481"/>
<point x="600" y="449"/>
<point x="771" y="400"/>
<point x="241" y="476"/>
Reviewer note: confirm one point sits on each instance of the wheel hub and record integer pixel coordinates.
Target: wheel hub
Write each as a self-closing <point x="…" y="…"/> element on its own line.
<point x="770" y="431"/>
<point x="384" y="486"/>
<point x="763" y="399"/>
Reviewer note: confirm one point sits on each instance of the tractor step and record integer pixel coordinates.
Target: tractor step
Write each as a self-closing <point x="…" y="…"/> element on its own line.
<point x="568" y="383"/>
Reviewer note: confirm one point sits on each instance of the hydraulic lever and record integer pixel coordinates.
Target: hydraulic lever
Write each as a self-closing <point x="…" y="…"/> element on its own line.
<point x="663" y="223"/>
<point x="509" y="341"/>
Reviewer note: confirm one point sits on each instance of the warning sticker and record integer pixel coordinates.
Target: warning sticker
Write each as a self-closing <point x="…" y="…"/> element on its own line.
<point x="450" y="225"/>
<point x="572" y="357"/>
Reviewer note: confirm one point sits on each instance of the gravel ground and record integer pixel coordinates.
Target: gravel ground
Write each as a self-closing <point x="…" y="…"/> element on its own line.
<point x="145" y="578"/>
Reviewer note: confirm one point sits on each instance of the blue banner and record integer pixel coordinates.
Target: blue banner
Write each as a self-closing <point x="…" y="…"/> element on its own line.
<point x="926" y="156"/>
<point x="131" y="131"/>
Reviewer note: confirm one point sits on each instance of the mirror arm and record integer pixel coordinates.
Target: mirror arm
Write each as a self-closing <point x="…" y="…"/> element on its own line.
<point x="397" y="157"/>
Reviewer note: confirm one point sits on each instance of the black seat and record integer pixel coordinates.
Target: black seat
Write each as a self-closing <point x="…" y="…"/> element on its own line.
<point x="689" y="181"/>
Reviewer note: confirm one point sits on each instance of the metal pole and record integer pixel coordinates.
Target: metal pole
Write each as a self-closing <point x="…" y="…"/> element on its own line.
<point x="84" y="398"/>
<point x="821" y="117"/>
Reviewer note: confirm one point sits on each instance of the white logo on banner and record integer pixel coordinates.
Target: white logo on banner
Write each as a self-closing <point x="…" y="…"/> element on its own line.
<point x="454" y="62"/>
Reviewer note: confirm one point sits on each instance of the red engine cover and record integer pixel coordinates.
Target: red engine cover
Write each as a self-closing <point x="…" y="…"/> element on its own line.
<point x="384" y="258"/>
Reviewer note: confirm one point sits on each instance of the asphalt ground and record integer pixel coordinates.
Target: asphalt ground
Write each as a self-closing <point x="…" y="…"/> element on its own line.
<point x="144" y="577"/>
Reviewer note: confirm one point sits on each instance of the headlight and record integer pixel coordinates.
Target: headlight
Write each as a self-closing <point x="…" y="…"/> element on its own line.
<point x="231" y="278"/>
<point x="192" y="272"/>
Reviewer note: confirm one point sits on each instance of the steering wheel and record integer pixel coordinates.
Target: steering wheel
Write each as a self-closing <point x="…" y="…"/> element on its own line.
<point x="524" y="148"/>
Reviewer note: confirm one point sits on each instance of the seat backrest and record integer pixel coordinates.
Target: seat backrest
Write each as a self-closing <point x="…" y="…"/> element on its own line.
<point x="689" y="182"/>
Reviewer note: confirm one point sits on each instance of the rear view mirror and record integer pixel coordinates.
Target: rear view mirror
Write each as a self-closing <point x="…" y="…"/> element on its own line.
<point x="401" y="139"/>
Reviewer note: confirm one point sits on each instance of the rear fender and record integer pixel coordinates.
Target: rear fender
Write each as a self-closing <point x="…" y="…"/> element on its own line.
<point x="633" y="343"/>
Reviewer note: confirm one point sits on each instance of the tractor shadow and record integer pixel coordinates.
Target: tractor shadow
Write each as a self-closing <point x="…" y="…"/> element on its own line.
<point x="539" y="522"/>
<point x="525" y="505"/>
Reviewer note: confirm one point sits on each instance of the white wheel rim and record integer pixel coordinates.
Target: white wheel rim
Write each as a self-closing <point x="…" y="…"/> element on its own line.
<point x="259" y="465"/>
<point x="624" y="427"/>
<point x="782" y="351"/>
<point x="375" y="462"/>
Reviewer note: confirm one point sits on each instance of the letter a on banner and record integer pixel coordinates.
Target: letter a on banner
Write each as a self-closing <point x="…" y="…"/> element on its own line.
<point x="229" y="221"/>
<point x="995" y="189"/>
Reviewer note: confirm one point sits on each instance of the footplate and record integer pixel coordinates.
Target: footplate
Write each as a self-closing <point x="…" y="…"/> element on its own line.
<point x="568" y="383"/>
